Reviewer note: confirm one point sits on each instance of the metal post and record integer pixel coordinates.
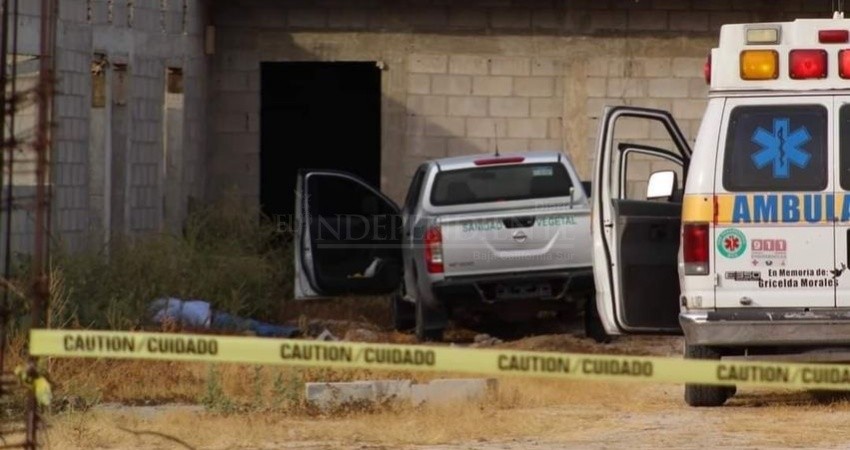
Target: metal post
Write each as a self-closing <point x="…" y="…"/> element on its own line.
<point x="4" y="103"/>
<point x="40" y="286"/>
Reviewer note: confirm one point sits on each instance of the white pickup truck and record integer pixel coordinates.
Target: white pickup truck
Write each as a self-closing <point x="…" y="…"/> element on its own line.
<point x="505" y="236"/>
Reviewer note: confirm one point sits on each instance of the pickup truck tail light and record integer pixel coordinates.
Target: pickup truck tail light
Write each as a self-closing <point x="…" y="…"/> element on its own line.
<point x="434" y="250"/>
<point x="695" y="248"/>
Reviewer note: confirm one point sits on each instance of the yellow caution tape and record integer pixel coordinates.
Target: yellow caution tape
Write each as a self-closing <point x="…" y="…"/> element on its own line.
<point x="38" y="383"/>
<point x="303" y="353"/>
<point x="43" y="392"/>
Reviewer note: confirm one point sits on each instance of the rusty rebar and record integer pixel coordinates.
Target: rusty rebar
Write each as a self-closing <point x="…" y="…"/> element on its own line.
<point x="40" y="285"/>
<point x="4" y="306"/>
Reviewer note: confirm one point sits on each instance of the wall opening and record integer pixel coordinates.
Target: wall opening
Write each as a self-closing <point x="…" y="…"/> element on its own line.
<point x="173" y="206"/>
<point x="316" y="115"/>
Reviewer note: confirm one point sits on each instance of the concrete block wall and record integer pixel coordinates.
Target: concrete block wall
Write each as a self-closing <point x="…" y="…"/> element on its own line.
<point x="146" y="38"/>
<point x="91" y="200"/>
<point x="461" y="76"/>
<point x="467" y="104"/>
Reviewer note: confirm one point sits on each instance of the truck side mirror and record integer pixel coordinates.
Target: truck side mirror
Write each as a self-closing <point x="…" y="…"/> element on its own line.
<point x="661" y="185"/>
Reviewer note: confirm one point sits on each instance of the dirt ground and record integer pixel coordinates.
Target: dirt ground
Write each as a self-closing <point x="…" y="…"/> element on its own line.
<point x="528" y="414"/>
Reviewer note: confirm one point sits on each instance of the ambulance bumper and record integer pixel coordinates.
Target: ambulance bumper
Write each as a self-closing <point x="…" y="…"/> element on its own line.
<point x="767" y="327"/>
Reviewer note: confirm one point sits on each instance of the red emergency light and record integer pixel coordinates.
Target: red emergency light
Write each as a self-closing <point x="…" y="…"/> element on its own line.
<point x="807" y="64"/>
<point x="844" y="64"/>
<point x="833" y="36"/>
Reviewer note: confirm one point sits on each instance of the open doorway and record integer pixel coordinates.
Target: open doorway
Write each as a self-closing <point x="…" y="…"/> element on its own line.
<point x="316" y="115"/>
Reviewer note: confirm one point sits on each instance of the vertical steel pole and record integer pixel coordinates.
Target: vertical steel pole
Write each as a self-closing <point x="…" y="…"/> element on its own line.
<point x="40" y="287"/>
<point x="4" y="104"/>
<point x="13" y="145"/>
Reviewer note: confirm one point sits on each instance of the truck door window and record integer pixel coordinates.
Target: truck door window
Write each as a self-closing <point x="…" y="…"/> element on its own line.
<point x="776" y="148"/>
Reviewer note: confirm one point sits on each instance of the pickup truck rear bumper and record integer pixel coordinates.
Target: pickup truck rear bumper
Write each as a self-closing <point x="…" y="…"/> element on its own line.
<point x="775" y="327"/>
<point x="526" y="286"/>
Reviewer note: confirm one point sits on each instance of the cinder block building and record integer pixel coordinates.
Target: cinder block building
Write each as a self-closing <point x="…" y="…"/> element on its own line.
<point x="160" y="102"/>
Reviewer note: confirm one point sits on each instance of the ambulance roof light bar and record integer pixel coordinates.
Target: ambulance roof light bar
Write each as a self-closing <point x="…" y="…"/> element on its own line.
<point x="803" y="54"/>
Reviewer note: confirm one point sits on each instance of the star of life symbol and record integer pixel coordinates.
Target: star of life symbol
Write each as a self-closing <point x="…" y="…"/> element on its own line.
<point x="732" y="243"/>
<point x="781" y="148"/>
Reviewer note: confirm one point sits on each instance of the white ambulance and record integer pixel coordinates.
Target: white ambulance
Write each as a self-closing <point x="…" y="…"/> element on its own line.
<point x="742" y="242"/>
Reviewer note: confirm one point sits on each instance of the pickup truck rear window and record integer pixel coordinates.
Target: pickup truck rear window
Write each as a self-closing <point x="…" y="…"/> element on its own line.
<point x="500" y="183"/>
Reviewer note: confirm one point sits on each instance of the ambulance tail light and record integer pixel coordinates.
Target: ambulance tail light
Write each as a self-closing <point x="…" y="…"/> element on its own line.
<point x="706" y="69"/>
<point x="695" y="248"/>
<point x="833" y="36"/>
<point x="844" y="64"/>
<point x="434" y="250"/>
<point x="759" y="65"/>
<point x="807" y="64"/>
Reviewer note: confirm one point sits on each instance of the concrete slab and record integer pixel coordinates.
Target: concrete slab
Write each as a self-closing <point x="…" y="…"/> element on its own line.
<point x="439" y="392"/>
<point x="335" y="395"/>
<point x="392" y="390"/>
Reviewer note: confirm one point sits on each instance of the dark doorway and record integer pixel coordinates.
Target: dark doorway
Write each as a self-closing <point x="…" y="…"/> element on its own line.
<point x="316" y="115"/>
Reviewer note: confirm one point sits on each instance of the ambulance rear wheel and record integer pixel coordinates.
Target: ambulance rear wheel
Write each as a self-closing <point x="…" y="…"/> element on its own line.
<point x="701" y="395"/>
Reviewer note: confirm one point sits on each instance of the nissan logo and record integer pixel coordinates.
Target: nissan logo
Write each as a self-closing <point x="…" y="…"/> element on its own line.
<point x="519" y="236"/>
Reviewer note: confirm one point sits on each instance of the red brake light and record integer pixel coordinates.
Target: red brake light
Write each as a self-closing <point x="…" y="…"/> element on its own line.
<point x="833" y="36"/>
<point x="505" y="160"/>
<point x="706" y="69"/>
<point x="695" y="248"/>
<point x="844" y="63"/>
<point x="434" y="250"/>
<point x="806" y="64"/>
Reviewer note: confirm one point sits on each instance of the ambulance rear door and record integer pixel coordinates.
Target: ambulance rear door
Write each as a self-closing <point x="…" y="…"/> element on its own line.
<point x="841" y="136"/>
<point x="774" y="233"/>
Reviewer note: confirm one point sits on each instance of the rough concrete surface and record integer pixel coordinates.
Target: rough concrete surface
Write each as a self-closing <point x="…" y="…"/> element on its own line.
<point x="329" y="396"/>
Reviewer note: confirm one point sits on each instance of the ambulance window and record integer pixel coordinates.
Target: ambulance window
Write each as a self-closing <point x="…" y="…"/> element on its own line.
<point x="776" y="148"/>
<point x="638" y="167"/>
<point x="844" y="146"/>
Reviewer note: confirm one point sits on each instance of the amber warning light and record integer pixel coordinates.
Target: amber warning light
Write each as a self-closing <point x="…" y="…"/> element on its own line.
<point x="759" y="65"/>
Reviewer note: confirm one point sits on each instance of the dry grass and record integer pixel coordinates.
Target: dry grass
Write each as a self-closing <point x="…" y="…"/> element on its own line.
<point x="522" y="409"/>
<point x="565" y="414"/>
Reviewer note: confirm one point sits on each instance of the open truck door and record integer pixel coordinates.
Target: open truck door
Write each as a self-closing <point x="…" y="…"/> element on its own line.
<point x="347" y="237"/>
<point x="636" y="220"/>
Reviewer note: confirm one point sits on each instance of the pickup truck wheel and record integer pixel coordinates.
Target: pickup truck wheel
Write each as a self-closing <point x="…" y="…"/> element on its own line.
<point x="702" y="394"/>
<point x="425" y="330"/>
<point x="403" y="313"/>
<point x="593" y="323"/>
